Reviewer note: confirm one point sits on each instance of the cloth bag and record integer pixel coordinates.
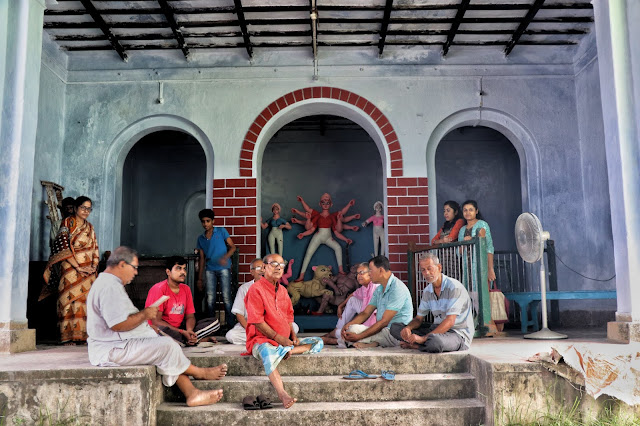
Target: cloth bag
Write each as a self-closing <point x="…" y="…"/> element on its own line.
<point x="498" y="304"/>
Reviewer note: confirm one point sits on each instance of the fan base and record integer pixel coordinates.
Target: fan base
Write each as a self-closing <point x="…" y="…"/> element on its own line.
<point x="545" y="334"/>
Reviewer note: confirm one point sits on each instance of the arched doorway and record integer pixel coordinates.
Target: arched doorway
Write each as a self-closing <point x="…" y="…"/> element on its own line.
<point x="480" y="163"/>
<point x="161" y="173"/>
<point x="313" y="155"/>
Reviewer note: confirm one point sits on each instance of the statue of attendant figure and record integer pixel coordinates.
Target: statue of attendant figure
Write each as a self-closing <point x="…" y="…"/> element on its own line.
<point x="277" y="224"/>
<point x="378" y="227"/>
<point x="323" y="222"/>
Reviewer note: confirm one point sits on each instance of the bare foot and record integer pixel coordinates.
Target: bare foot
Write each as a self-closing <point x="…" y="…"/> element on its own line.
<point x="287" y="401"/>
<point x="329" y="340"/>
<point x="405" y="345"/>
<point x="215" y="373"/>
<point x="200" y="397"/>
<point x="69" y="344"/>
<point x="360" y="345"/>
<point x="209" y="339"/>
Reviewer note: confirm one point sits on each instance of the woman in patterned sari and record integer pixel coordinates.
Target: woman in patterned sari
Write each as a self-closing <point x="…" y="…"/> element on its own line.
<point x="76" y="249"/>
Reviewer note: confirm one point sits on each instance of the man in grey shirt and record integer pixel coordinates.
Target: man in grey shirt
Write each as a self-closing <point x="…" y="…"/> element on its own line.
<point x="119" y="334"/>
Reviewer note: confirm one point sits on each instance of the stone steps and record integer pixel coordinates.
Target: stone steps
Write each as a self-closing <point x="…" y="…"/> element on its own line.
<point x="425" y="413"/>
<point x="335" y="388"/>
<point x="429" y="389"/>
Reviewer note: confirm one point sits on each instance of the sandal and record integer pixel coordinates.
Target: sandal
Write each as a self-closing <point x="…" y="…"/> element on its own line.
<point x="264" y="402"/>
<point x="359" y="374"/>
<point x="388" y="375"/>
<point x="250" y="403"/>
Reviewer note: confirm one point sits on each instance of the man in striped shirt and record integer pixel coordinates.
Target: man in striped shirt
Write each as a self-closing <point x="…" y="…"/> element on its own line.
<point x="450" y="304"/>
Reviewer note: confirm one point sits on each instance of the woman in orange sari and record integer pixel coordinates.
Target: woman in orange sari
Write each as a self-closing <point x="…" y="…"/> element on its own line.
<point x="76" y="249"/>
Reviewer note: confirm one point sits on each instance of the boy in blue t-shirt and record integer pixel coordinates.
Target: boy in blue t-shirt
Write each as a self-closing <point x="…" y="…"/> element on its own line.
<point x="214" y="252"/>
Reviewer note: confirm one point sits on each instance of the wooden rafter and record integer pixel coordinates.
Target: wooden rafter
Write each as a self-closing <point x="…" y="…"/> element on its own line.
<point x="523" y="26"/>
<point x="104" y="27"/>
<point x="243" y="27"/>
<point x="173" y="23"/>
<point x="462" y="9"/>
<point x="385" y="25"/>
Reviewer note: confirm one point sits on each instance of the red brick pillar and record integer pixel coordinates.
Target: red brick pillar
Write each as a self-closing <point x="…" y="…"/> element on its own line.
<point x="407" y="219"/>
<point x="234" y="204"/>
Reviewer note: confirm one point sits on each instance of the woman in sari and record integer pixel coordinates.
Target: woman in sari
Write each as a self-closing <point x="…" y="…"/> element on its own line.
<point x="76" y="251"/>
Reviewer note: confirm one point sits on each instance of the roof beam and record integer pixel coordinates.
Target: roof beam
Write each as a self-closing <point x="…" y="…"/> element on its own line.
<point x="523" y="26"/>
<point x="243" y="27"/>
<point x="462" y="9"/>
<point x="171" y="19"/>
<point x="113" y="40"/>
<point x="385" y="25"/>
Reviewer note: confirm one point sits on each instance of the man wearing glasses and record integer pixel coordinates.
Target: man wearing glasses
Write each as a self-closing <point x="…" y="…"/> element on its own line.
<point x="450" y="304"/>
<point x="271" y="336"/>
<point x="119" y="334"/>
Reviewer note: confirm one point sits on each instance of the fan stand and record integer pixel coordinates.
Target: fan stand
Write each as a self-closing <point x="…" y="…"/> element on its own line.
<point x="545" y="333"/>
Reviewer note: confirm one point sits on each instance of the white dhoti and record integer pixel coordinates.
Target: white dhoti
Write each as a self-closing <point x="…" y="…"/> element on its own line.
<point x="322" y="236"/>
<point x="351" y="309"/>
<point x="163" y="352"/>
<point x="238" y="335"/>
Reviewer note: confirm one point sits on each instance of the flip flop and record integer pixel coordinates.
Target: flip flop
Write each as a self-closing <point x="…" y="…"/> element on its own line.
<point x="250" y="403"/>
<point x="359" y="374"/>
<point x="264" y="402"/>
<point x="388" y="375"/>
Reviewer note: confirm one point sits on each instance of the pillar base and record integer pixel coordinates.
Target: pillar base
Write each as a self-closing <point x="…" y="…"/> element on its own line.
<point x="16" y="337"/>
<point x="623" y="331"/>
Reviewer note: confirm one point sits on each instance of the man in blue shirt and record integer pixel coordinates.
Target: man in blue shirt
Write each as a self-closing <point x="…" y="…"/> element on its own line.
<point x="450" y="304"/>
<point x="215" y="247"/>
<point x="392" y="300"/>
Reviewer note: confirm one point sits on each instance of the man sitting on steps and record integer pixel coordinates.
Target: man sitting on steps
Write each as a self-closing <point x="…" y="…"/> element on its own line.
<point x="450" y="304"/>
<point x="179" y="309"/>
<point x="119" y="334"/>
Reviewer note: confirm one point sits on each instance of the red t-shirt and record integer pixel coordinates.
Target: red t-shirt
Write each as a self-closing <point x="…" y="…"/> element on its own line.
<point x="178" y="305"/>
<point x="320" y="221"/>
<point x="264" y="304"/>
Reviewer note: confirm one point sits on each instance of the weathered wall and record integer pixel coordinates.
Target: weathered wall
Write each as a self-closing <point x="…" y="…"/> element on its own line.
<point x="415" y="100"/>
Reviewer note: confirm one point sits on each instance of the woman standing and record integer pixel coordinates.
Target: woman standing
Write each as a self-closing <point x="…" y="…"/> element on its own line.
<point x="378" y="227"/>
<point x="475" y="226"/>
<point x="453" y="222"/>
<point x="277" y="224"/>
<point x="76" y="249"/>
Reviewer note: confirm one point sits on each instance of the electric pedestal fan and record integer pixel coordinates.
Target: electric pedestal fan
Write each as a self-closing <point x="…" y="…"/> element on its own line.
<point x="530" y="240"/>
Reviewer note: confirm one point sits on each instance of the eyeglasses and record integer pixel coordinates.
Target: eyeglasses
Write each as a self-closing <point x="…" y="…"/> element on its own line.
<point x="86" y="209"/>
<point x="133" y="266"/>
<point x="363" y="272"/>
<point x="257" y="268"/>
<point x="276" y="264"/>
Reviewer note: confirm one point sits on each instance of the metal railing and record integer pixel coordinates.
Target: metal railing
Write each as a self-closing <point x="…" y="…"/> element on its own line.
<point x="465" y="261"/>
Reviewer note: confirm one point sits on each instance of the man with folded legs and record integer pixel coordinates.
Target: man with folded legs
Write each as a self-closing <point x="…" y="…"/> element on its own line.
<point x="119" y="334"/>
<point x="450" y="304"/>
<point x="176" y="316"/>
<point x="271" y="337"/>
<point x="392" y="303"/>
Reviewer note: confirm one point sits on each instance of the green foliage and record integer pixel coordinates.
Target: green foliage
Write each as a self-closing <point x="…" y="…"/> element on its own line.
<point x="46" y="418"/>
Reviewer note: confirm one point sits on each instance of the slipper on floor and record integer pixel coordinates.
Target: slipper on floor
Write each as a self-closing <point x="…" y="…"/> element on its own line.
<point x="250" y="403"/>
<point x="264" y="402"/>
<point x="359" y="374"/>
<point x="388" y="375"/>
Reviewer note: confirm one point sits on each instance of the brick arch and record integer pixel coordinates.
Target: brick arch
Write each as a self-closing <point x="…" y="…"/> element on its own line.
<point x="380" y="120"/>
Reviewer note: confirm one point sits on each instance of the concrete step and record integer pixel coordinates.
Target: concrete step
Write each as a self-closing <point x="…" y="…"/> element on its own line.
<point x="425" y="413"/>
<point x="336" y="389"/>
<point x="341" y="362"/>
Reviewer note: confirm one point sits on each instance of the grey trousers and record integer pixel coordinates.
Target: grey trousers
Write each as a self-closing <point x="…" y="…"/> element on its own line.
<point x="435" y="343"/>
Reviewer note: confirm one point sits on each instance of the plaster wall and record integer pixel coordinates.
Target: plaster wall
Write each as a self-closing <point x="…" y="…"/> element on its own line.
<point x="223" y="108"/>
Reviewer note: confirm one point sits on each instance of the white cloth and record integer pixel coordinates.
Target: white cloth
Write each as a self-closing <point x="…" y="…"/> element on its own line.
<point x="107" y="305"/>
<point x="238" y="304"/>
<point x="351" y="309"/>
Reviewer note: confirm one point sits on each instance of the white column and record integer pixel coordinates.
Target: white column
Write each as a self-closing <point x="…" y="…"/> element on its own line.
<point x="20" y="50"/>
<point x="619" y="63"/>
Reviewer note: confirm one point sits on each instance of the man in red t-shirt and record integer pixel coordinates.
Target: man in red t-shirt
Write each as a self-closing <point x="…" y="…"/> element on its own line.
<point x="176" y="315"/>
<point x="271" y="337"/>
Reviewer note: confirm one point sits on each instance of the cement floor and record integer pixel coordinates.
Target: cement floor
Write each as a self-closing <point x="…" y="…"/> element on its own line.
<point x="512" y="348"/>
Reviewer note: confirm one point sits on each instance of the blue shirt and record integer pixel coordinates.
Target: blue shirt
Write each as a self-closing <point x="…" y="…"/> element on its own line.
<point x="214" y="249"/>
<point x="274" y="223"/>
<point x="394" y="297"/>
<point x="454" y="300"/>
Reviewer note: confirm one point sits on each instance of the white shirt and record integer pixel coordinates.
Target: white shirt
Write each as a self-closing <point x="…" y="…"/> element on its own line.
<point x="238" y="304"/>
<point x="107" y="305"/>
